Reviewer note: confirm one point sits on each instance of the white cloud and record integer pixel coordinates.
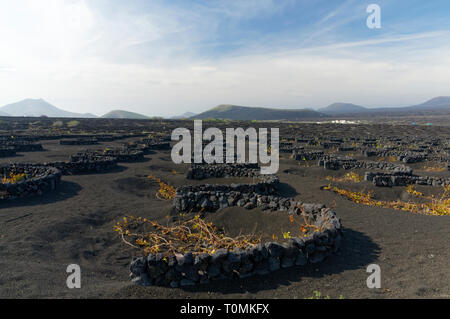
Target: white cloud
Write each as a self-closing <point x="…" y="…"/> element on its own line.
<point x="83" y="60"/>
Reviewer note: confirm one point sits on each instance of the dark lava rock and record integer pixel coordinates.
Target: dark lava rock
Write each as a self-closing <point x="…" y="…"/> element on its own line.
<point x="143" y="280"/>
<point x="317" y="257"/>
<point x="186" y="282"/>
<point x="138" y="266"/>
<point x="287" y="262"/>
<point x="213" y="270"/>
<point x="301" y="259"/>
<point x="274" y="264"/>
<point x="275" y="249"/>
<point x="219" y="256"/>
<point x="262" y="268"/>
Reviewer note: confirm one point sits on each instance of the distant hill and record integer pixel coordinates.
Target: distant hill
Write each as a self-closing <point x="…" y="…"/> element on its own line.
<point x="121" y="114"/>
<point x="38" y="107"/>
<point x="342" y="108"/>
<point x="245" y="113"/>
<point x="435" y="106"/>
<point x="437" y="103"/>
<point x="185" y="115"/>
<point x="4" y="114"/>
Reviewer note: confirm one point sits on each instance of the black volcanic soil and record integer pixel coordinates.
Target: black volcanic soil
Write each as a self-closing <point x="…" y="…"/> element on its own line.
<point x="40" y="236"/>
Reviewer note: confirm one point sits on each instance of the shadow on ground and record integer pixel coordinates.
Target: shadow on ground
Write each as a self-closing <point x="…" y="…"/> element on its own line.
<point x="286" y="190"/>
<point x="357" y="252"/>
<point x="64" y="191"/>
<point x="116" y="169"/>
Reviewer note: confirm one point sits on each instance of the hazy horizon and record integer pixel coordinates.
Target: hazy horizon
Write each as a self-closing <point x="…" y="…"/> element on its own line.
<point x="166" y="58"/>
<point x="187" y="111"/>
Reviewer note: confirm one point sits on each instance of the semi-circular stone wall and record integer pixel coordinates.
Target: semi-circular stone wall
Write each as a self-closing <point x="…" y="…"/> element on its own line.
<point x="147" y="146"/>
<point x="262" y="259"/>
<point x="202" y="171"/>
<point x="84" y="167"/>
<point x="125" y="155"/>
<point x="335" y="163"/>
<point x="214" y="196"/>
<point x="403" y="179"/>
<point x="39" y="179"/>
<point x="307" y="155"/>
<point x="120" y="155"/>
<point x="84" y="164"/>
<point x="191" y="269"/>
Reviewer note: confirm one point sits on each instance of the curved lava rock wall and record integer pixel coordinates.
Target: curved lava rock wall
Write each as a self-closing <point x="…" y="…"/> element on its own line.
<point x="39" y="179"/>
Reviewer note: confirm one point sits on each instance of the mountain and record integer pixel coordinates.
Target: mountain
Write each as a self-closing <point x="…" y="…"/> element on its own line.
<point x="185" y="115"/>
<point x="4" y="114"/>
<point x="121" y="114"/>
<point x="342" y="108"/>
<point x="245" y="113"/>
<point x="437" y="103"/>
<point x="38" y="107"/>
<point x="436" y="106"/>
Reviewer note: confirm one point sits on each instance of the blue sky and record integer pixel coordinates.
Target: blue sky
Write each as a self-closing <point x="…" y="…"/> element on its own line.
<point x="168" y="57"/>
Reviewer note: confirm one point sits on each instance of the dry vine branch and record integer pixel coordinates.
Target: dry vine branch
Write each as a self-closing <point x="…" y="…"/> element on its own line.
<point x="349" y="177"/>
<point x="165" y="191"/>
<point x="436" y="206"/>
<point x="194" y="235"/>
<point x="14" y="178"/>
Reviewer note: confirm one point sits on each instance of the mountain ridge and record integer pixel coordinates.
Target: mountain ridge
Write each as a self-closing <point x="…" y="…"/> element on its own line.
<point x="39" y="107"/>
<point x="236" y="112"/>
<point x="185" y="115"/>
<point x="339" y="107"/>
<point x="122" y="114"/>
<point x="440" y="103"/>
<point x="436" y="105"/>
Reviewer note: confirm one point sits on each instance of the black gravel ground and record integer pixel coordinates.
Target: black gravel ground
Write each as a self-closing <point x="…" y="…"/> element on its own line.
<point x="40" y="236"/>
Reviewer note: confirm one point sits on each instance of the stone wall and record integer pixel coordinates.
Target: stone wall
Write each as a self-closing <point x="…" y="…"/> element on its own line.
<point x="189" y="269"/>
<point x="403" y="179"/>
<point x="84" y="163"/>
<point x="202" y="171"/>
<point x="290" y="149"/>
<point x="83" y="167"/>
<point x="125" y="155"/>
<point x="211" y="197"/>
<point x="412" y="157"/>
<point x="148" y="146"/>
<point x="302" y="155"/>
<point x="120" y="155"/>
<point x="39" y="179"/>
<point x="346" y="149"/>
<point x="335" y="163"/>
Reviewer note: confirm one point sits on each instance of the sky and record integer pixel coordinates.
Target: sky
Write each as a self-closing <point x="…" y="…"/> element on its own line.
<point x="164" y="58"/>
